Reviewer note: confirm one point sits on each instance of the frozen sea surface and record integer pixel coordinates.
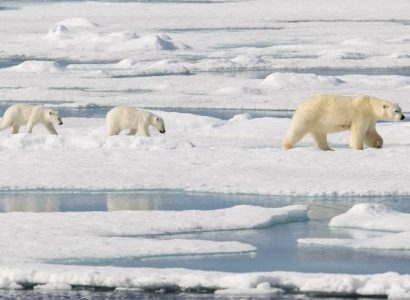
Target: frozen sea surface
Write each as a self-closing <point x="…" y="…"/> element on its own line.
<point x="239" y="155"/>
<point x="155" y="54"/>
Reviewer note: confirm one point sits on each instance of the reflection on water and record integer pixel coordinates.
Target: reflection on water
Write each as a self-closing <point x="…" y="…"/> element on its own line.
<point x="130" y="202"/>
<point x="322" y="207"/>
<point x="24" y="203"/>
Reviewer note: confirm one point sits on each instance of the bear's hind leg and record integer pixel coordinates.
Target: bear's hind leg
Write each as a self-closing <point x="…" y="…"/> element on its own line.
<point x="133" y="131"/>
<point x="293" y="136"/>
<point x="321" y="140"/>
<point x="113" y="131"/>
<point x="16" y="129"/>
<point x="4" y="125"/>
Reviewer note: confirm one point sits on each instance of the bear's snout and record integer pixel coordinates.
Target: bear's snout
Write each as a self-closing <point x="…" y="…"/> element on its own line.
<point x="162" y="131"/>
<point x="402" y="117"/>
<point x="60" y="123"/>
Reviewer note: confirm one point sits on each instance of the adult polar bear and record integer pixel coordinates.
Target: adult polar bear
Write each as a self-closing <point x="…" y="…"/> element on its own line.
<point x="136" y="120"/>
<point x="325" y="114"/>
<point x="19" y="115"/>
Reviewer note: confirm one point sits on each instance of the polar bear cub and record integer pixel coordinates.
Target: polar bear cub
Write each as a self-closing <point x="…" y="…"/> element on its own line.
<point x="136" y="120"/>
<point x="19" y="115"/>
<point x="325" y="114"/>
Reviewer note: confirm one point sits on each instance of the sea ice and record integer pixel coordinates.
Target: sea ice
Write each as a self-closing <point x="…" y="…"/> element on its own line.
<point x="74" y="236"/>
<point x="370" y="217"/>
<point x="392" y="285"/>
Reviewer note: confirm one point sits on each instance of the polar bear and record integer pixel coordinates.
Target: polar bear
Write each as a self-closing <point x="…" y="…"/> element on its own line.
<point x="19" y="115"/>
<point x="325" y="114"/>
<point x="136" y="120"/>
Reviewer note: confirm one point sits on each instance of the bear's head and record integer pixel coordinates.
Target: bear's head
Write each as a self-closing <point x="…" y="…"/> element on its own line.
<point x="53" y="116"/>
<point x="390" y="111"/>
<point x="159" y="124"/>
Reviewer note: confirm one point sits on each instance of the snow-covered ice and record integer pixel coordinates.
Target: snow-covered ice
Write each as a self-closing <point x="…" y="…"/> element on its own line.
<point x="240" y="155"/>
<point x="201" y="54"/>
<point x="391" y="284"/>
<point x="101" y="235"/>
<point x="373" y="217"/>
<point x="361" y="51"/>
<point x="396" y="241"/>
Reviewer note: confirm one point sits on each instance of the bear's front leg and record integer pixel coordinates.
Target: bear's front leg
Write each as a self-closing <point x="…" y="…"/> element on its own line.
<point x="372" y="138"/>
<point x="29" y="127"/>
<point x="143" y="130"/>
<point x="51" y="129"/>
<point x="356" y="136"/>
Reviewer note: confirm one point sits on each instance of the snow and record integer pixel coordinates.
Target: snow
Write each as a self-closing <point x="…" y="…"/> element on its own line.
<point x="169" y="39"/>
<point x="33" y="66"/>
<point x="262" y="289"/>
<point x="76" y="22"/>
<point x="76" y="236"/>
<point x="398" y="241"/>
<point x="241" y="155"/>
<point x="284" y="80"/>
<point x="392" y="285"/>
<point x="370" y="217"/>
<point x="218" y="54"/>
<point x="373" y="217"/>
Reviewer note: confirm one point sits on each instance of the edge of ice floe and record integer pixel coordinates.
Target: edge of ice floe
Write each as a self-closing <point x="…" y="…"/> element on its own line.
<point x="392" y="285"/>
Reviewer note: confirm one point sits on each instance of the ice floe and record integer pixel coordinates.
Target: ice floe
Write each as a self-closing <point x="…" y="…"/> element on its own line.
<point x="205" y="154"/>
<point x="76" y="236"/>
<point x="396" y="241"/>
<point x="391" y="285"/>
<point x="292" y="80"/>
<point x="370" y="217"/>
<point x="62" y="36"/>
<point x="159" y="68"/>
<point x="36" y="66"/>
<point x="373" y="217"/>
<point x="77" y="22"/>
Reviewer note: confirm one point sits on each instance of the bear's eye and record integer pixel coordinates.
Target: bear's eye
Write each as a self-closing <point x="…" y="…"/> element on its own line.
<point x="396" y="111"/>
<point x="51" y="113"/>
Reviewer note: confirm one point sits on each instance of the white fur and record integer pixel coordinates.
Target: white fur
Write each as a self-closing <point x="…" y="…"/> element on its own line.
<point x="136" y="120"/>
<point x="19" y="115"/>
<point x="325" y="114"/>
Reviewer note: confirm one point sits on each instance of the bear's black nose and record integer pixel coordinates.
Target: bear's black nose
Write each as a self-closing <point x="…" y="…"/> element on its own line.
<point x="402" y="117"/>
